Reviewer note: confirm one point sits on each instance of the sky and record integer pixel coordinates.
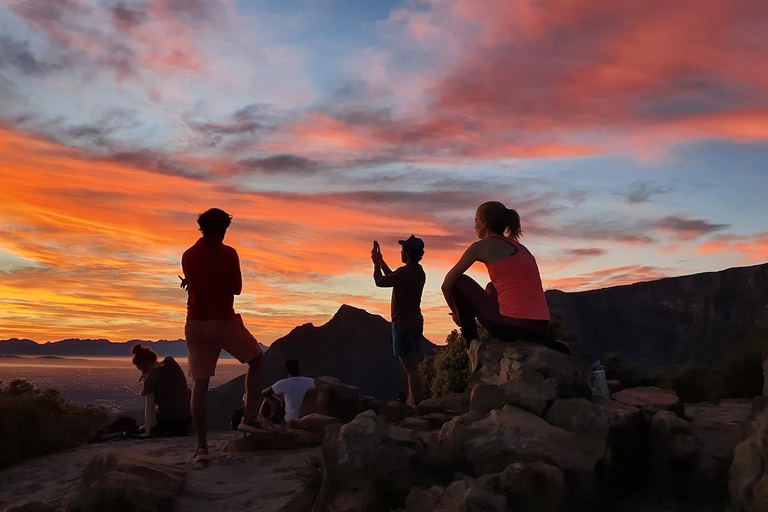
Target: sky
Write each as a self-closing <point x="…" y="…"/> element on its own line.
<point x="631" y="137"/>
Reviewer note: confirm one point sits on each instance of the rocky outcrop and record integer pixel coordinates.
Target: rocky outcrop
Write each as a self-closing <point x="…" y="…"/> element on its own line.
<point x="372" y="462"/>
<point x="529" y="487"/>
<point x="525" y="374"/>
<point x="748" y="485"/>
<point x="509" y="435"/>
<point x="115" y="481"/>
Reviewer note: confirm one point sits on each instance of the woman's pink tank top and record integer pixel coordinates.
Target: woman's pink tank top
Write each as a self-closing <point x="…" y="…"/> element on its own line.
<point x="518" y="283"/>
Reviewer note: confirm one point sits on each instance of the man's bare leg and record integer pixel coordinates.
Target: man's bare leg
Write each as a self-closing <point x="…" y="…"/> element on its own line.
<point x="254" y="384"/>
<point x="411" y="367"/>
<point x="199" y="407"/>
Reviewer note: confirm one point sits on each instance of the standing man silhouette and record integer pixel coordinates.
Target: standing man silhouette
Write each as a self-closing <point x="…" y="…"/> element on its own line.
<point x="407" y="283"/>
<point x="212" y="279"/>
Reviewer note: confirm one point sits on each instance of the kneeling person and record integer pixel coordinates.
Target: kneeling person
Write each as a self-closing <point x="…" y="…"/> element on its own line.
<point x="288" y="393"/>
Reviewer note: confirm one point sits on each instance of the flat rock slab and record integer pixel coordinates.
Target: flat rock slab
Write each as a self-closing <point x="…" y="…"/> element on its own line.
<point x="650" y="400"/>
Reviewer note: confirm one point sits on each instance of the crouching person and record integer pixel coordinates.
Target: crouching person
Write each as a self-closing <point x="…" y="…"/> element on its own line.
<point x="166" y="395"/>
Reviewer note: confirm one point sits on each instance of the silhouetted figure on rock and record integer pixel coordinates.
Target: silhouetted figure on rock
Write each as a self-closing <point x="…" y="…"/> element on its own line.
<point x="513" y="305"/>
<point x="212" y="278"/>
<point x="407" y="283"/>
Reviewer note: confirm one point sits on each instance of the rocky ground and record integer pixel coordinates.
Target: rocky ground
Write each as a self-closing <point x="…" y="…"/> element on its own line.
<point x="235" y="482"/>
<point x="526" y="436"/>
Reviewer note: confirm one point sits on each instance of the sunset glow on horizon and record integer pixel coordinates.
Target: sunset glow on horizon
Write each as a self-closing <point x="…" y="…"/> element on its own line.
<point x="632" y="138"/>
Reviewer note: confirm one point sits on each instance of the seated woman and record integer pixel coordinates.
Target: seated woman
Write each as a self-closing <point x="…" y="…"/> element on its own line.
<point x="513" y="305"/>
<point x="166" y="395"/>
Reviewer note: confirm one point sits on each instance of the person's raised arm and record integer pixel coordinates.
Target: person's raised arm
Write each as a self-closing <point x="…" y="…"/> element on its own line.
<point x="386" y="280"/>
<point x="469" y="257"/>
<point x="268" y="392"/>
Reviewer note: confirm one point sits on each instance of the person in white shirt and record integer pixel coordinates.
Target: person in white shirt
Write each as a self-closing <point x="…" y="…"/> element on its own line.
<point x="289" y="392"/>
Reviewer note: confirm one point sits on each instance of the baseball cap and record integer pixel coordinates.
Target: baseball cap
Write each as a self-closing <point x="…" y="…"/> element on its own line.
<point x="412" y="244"/>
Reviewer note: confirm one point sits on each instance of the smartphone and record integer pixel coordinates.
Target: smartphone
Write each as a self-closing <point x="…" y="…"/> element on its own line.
<point x="376" y="247"/>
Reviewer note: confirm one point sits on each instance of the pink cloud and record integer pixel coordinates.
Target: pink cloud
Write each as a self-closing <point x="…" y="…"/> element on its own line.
<point x="751" y="249"/>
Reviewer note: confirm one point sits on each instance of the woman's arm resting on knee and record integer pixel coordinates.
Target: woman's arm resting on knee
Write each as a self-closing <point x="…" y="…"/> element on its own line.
<point x="469" y="257"/>
<point x="150" y="413"/>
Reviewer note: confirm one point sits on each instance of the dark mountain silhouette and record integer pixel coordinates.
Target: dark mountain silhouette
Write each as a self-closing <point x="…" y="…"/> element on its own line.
<point x="354" y="346"/>
<point x="669" y="321"/>
<point x="93" y="348"/>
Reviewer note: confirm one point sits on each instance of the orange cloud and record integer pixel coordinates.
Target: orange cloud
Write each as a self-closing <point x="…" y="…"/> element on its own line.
<point x="751" y="249"/>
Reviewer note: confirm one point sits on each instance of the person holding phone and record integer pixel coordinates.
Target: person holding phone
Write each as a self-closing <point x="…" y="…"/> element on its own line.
<point x="407" y="283"/>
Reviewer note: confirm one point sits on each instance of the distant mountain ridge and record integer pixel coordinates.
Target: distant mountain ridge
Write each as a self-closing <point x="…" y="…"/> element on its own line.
<point x="92" y="347"/>
<point x="697" y="318"/>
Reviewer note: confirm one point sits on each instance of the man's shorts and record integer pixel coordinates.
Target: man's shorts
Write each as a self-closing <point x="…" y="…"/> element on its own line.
<point x="206" y="338"/>
<point x="406" y="335"/>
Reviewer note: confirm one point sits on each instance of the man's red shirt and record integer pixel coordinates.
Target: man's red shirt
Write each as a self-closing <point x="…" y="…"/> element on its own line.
<point x="212" y="271"/>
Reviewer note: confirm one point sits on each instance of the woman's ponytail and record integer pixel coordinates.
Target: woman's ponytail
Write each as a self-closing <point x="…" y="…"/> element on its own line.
<point x="513" y="224"/>
<point x="499" y="219"/>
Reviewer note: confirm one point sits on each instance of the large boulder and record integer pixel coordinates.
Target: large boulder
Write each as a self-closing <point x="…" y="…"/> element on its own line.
<point x="330" y="397"/>
<point x="372" y="462"/>
<point x="624" y="429"/>
<point x="593" y="418"/>
<point x="116" y="481"/>
<point x="453" y="405"/>
<point x="534" y="487"/>
<point x="748" y="483"/>
<point x="509" y="435"/>
<point x="672" y="456"/>
<point x="314" y="422"/>
<point x="718" y="429"/>
<point x="529" y="375"/>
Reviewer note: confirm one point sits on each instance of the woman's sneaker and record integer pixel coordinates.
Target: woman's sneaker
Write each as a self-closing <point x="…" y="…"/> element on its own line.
<point x="201" y="455"/>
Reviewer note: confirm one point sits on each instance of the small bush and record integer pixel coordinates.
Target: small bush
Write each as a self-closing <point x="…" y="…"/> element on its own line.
<point x="631" y="374"/>
<point x="35" y="422"/>
<point x="447" y="371"/>
<point x="693" y="382"/>
<point x="741" y="370"/>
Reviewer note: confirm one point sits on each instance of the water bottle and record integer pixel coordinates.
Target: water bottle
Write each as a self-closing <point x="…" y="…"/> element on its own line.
<point x="599" y="383"/>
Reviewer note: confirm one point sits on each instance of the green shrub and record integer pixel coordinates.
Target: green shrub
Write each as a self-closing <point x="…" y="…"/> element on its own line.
<point x="447" y="371"/>
<point x="631" y="374"/>
<point x="741" y="370"/>
<point x="693" y="382"/>
<point x="35" y="422"/>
